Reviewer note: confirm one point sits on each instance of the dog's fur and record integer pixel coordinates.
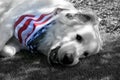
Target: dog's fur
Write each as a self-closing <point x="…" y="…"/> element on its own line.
<point x="76" y="32"/>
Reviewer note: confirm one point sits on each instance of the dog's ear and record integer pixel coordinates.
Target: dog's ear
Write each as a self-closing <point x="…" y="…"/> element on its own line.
<point x="87" y="17"/>
<point x="90" y="17"/>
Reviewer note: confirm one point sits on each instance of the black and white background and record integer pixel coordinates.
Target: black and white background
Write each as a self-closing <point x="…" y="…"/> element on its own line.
<point x="103" y="66"/>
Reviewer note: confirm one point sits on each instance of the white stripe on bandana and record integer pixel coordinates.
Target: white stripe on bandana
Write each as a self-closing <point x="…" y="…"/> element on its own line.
<point x="29" y="27"/>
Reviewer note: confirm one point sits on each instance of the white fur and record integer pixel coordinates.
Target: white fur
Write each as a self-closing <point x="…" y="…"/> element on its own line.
<point x="63" y="33"/>
<point x="10" y="10"/>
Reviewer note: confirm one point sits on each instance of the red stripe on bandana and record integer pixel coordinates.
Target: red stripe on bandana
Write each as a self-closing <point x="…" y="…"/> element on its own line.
<point x="30" y="33"/>
<point x="27" y="26"/>
<point x="37" y="24"/>
<point x="27" y="23"/>
<point x="40" y="18"/>
<point x="21" y="18"/>
<point x="23" y="28"/>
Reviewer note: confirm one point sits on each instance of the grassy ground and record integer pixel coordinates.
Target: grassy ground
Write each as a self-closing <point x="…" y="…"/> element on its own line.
<point x="104" y="66"/>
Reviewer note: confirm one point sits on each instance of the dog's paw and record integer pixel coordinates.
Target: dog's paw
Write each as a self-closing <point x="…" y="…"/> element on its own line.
<point x="8" y="51"/>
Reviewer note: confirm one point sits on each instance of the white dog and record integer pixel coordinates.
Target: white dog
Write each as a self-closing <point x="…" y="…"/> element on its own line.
<point x="52" y="27"/>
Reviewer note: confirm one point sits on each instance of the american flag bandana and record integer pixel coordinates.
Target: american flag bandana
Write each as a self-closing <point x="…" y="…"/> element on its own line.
<point x="29" y="27"/>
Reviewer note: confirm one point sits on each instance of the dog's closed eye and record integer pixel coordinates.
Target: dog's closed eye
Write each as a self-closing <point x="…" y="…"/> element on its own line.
<point x="69" y="16"/>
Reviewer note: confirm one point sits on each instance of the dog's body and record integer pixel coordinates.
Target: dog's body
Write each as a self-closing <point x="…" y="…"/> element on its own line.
<point x="74" y="33"/>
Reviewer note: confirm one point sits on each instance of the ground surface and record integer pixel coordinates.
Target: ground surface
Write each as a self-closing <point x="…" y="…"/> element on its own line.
<point x="104" y="66"/>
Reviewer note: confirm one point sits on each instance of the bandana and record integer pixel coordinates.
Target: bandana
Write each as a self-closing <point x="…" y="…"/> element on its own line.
<point x="28" y="28"/>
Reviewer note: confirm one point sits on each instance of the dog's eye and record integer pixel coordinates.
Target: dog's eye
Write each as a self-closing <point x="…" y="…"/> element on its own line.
<point x="69" y="16"/>
<point x="79" y="38"/>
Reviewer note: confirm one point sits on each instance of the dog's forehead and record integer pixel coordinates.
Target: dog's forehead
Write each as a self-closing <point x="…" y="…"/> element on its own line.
<point x="65" y="24"/>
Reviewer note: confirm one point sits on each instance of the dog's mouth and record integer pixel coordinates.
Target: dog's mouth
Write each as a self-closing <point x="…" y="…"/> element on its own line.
<point x="53" y="58"/>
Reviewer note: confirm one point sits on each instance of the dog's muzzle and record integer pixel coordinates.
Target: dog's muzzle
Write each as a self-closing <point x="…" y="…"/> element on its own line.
<point x="54" y="58"/>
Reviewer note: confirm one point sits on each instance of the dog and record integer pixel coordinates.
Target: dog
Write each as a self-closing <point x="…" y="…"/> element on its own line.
<point x="54" y="28"/>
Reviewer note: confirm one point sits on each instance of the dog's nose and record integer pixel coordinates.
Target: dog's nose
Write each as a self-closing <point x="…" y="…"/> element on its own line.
<point x="79" y="38"/>
<point x="85" y="54"/>
<point x="67" y="59"/>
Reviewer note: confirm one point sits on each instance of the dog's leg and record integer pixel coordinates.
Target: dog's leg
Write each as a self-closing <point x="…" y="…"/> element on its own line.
<point x="11" y="48"/>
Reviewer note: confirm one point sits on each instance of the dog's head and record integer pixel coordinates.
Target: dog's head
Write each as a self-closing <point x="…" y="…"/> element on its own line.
<point x="75" y="35"/>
